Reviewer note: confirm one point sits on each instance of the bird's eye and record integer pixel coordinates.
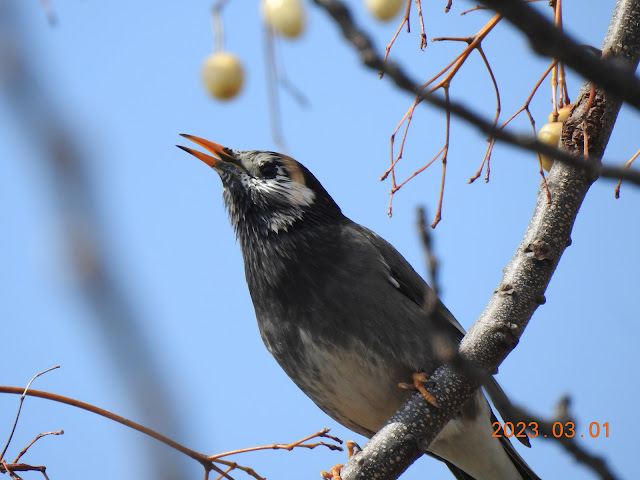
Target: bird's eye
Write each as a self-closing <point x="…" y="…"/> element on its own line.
<point x="269" y="170"/>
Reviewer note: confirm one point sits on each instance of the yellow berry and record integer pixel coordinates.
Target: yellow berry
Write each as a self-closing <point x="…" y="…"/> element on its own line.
<point x="284" y="16"/>
<point x="384" y="9"/>
<point x="563" y="113"/>
<point x="549" y="134"/>
<point x="222" y="75"/>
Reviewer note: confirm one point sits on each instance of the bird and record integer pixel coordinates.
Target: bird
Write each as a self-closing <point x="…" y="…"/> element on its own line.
<point x="342" y="311"/>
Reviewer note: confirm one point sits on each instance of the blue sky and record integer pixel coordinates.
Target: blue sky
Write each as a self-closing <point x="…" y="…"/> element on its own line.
<point x="125" y="80"/>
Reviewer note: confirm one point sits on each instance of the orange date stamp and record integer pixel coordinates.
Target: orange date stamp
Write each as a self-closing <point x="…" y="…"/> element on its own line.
<point x="558" y="430"/>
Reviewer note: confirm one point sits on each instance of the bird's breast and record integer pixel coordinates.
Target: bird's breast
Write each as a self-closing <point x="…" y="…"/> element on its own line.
<point x="353" y="385"/>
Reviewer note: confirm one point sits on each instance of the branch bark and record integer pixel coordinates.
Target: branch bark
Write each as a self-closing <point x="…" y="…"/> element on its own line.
<point x="496" y="332"/>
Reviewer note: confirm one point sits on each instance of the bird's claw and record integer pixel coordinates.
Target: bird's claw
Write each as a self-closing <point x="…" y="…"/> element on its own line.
<point x="419" y="379"/>
<point x="352" y="447"/>
<point x="334" y="474"/>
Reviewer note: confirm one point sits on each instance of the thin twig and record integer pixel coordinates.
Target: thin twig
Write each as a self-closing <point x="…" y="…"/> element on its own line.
<point x="272" y="90"/>
<point x="498" y="103"/>
<point x="473" y="43"/>
<point x="525" y="107"/>
<point x="236" y="466"/>
<point x="359" y="40"/>
<point x="626" y="165"/>
<point x="444" y="163"/>
<point x="286" y="446"/>
<point x="24" y="393"/>
<point x="480" y="7"/>
<point x="423" y="34"/>
<point x="199" y="457"/>
<point x="207" y="461"/>
<point x="550" y="41"/>
<point x="38" y="437"/>
<point x="405" y="19"/>
<point x="217" y="25"/>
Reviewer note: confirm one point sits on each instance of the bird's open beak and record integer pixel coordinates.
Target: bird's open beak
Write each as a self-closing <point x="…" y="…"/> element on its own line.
<point x="218" y="150"/>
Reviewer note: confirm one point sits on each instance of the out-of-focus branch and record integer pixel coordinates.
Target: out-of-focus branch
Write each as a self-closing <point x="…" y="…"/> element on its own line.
<point x="547" y="39"/>
<point x="546" y="430"/>
<point x="371" y="59"/>
<point x="115" y="318"/>
<point x="431" y="259"/>
<point x="496" y="332"/>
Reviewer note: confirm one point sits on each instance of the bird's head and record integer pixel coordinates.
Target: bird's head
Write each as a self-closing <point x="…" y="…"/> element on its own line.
<point x="265" y="192"/>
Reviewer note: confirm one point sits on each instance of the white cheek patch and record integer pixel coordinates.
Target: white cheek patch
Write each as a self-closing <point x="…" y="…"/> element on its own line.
<point x="281" y="189"/>
<point x="300" y="195"/>
<point x="287" y="195"/>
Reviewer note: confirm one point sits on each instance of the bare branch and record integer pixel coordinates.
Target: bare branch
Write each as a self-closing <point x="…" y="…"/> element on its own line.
<point x="371" y="59"/>
<point x="207" y="461"/>
<point x="38" y="437"/>
<point x="548" y="40"/>
<point x="15" y="423"/>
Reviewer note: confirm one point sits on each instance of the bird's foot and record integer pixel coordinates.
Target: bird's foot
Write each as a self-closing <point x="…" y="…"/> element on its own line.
<point x="419" y="379"/>
<point x="334" y="474"/>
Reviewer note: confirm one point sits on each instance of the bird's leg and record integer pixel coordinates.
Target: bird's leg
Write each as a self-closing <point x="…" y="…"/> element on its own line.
<point x="334" y="474"/>
<point x="419" y="379"/>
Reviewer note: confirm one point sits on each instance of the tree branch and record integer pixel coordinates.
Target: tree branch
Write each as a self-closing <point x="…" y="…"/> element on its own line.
<point x="371" y="59"/>
<point x="550" y="41"/>
<point x="496" y="332"/>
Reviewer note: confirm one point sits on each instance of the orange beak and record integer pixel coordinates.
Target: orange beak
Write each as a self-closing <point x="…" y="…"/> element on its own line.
<point x="214" y="148"/>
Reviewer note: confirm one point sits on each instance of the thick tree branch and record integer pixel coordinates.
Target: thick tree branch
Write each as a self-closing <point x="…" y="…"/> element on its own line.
<point x="525" y="279"/>
<point x="371" y="59"/>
